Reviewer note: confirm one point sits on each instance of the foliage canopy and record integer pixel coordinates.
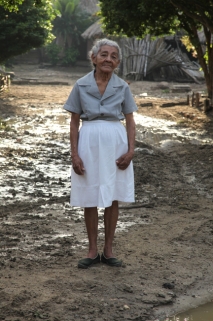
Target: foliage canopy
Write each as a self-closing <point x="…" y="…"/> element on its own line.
<point x="28" y="27"/>
<point x="11" y="5"/>
<point x="157" y="17"/>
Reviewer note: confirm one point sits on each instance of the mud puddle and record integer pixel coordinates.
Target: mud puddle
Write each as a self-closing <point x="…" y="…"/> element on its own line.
<point x="161" y="133"/>
<point x="35" y="156"/>
<point x="202" y="313"/>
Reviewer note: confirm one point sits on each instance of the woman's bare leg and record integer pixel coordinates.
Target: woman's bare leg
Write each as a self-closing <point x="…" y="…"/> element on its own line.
<point x="110" y="222"/>
<point x="91" y="221"/>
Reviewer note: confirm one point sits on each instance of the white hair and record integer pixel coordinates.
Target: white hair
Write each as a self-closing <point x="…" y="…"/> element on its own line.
<point x="104" y="42"/>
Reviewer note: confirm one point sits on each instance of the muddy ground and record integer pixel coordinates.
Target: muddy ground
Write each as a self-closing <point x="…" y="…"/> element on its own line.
<point x="165" y="239"/>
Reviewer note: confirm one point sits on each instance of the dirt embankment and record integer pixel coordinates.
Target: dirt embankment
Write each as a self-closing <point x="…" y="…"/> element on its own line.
<point x="165" y="239"/>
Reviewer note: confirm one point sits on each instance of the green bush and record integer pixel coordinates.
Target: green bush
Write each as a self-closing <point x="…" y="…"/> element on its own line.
<point x="70" y="56"/>
<point x="53" y="51"/>
<point x="56" y="55"/>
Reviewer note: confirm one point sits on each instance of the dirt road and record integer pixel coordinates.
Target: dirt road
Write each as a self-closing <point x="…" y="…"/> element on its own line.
<point x="165" y="239"/>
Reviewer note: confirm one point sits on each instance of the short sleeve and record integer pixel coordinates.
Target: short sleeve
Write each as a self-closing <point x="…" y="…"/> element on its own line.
<point x="129" y="105"/>
<point x="73" y="103"/>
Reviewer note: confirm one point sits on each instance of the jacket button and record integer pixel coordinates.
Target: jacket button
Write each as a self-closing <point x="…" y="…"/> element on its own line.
<point x="102" y="114"/>
<point x="102" y="103"/>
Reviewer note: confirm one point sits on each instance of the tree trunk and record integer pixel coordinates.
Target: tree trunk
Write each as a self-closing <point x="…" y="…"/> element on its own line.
<point x="206" y="64"/>
<point x="209" y="50"/>
<point x="210" y="78"/>
<point x="207" y="69"/>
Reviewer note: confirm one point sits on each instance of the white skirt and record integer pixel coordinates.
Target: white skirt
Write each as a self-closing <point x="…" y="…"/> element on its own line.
<point x="100" y="144"/>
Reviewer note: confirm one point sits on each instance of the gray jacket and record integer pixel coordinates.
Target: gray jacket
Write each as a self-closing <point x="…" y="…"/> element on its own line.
<point x="86" y="100"/>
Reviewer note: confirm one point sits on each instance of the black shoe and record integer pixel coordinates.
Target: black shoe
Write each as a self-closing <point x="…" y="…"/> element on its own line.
<point x="85" y="263"/>
<point x="112" y="261"/>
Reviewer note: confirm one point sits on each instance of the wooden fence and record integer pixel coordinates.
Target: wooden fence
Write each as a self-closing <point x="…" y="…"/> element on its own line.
<point x="145" y="57"/>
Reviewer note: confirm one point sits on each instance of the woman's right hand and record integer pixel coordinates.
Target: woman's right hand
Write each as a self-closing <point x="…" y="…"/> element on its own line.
<point x="78" y="165"/>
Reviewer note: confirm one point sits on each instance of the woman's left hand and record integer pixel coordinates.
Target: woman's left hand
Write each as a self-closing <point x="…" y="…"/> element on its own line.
<point x="124" y="161"/>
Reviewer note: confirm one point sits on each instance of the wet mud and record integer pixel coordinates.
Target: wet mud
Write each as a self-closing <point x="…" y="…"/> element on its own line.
<point x="164" y="239"/>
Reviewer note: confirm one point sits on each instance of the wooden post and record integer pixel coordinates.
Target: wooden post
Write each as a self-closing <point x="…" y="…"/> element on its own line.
<point x="197" y="100"/>
<point x="207" y="106"/>
<point x="188" y="100"/>
<point x="193" y="98"/>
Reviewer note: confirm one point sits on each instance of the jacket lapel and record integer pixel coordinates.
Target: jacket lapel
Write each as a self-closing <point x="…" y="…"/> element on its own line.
<point x="111" y="87"/>
<point x="109" y="91"/>
<point x="92" y="89"/>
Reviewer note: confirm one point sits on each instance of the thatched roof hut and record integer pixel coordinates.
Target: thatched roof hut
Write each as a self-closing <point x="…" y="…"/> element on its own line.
<point x="94" y="31"/>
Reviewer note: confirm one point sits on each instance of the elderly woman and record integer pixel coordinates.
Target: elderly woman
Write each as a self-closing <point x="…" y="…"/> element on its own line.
<point x="102" y="150"/>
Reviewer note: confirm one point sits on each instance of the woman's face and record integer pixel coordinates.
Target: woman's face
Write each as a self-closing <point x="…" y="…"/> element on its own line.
<point x="107" y="59"/>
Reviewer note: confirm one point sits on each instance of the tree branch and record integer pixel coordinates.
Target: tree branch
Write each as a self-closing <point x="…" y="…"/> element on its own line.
<point x="202" y="19"/>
